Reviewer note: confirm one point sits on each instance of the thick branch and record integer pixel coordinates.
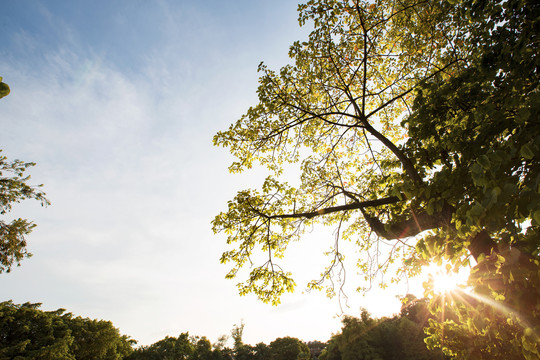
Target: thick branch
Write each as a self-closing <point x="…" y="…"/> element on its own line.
<point x="481" y="243"/>
<point x="405" y="161"/>
<point x="333" y="209"/>
<point x="416" y="224"/>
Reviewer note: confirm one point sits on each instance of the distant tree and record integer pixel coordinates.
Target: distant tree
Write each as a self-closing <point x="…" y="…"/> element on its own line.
<point x="97" y="339"/>
<point x="237" y="333"/>
<point x="14" y="188"/>
<point x="226" y="353"/>
<point x="26" y="332"/>
<point x="316" y="348"/>
<point x="262" y="352"/>
<point x="221" y="342"/>
<point x="356" y="339"/>
<point x="288" y="348"/>
<point x="184" y="347"/>
<point x="366" y="338"/>
<point x="203" y="349"/>
<point x="169" y="348"/>
<point x="244" y="352"/>
<point x="29" y="333"/>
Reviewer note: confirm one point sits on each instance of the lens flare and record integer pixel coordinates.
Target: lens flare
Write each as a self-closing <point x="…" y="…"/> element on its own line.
<point x="445" y="283"/>
<point x="443" y="280"/>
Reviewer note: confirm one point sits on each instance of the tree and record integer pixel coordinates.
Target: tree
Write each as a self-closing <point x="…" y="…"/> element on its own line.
<point x="316" y="348"/>
<point x="237" y="333"/>
<point x="26" y="332"/>
<point x="203" y="350"/>
<point x="168" y="348"/>
<point x="288" y="348"/>
<point x="97" y="339"/>
<point x="29" y="333"/>
<point x="14" y="188"/>
<point x="414" y="122"/>
<point x="383" y="339"/>
<point x="261" y="352"/>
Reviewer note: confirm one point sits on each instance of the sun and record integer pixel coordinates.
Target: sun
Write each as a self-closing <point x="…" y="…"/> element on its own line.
<point x="444" y="280"/>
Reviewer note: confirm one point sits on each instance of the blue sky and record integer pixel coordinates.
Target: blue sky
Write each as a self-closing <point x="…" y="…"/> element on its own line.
<point x="117" y="103"/>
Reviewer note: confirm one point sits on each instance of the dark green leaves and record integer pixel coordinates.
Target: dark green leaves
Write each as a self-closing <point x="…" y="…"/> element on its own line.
<point x="4" y="88"/>
<point x="26" y="332"/>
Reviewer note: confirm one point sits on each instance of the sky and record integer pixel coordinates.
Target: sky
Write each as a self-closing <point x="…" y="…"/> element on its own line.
<point x="117" y="103"/>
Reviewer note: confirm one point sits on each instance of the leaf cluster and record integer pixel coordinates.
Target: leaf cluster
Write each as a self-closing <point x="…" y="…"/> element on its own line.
<point x="14" y="188"/>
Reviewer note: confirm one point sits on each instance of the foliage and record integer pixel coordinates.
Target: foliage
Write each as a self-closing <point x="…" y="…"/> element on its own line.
<point x="485" y="122"/>
<point x="195" y="348"/>
<point x="183" y="347"/>
<point x="97" y="339"/>
<point x="4" y="88"/>
<point x="261" y="351"/>
<point x="167" y="348"/>
<point x="29" y="333"/>
<point x="237" y="333"/>
<point x="414" y="122"/>
<point x="316" y="348"/>
<point x="288" y="348"/>
<point x="334" y="113"/>
<point x="14" y="188"/>
<point x="380" y="339"/>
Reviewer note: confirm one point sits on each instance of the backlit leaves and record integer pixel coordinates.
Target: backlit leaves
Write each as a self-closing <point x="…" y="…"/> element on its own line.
<point x="334" y="111"/>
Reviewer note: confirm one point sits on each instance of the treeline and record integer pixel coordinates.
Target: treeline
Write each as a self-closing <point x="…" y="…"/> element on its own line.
<point x="195" y="348"/>
<point x="400" y="337"/>
<point x="26" y="332"/>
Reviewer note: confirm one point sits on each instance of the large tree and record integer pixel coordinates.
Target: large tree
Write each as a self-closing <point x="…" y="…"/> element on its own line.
<point x="14" y="187"/>
<point x="414" y="122"/>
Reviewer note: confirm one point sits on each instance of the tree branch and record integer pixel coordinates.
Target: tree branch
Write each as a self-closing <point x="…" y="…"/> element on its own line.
<point x="333" y="209"/>
<point x="481" y="243"/>
<point x="416" y="224"/>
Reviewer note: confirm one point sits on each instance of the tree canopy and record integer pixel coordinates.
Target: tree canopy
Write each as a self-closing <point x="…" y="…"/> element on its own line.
<point x="400" y="337"/>
<point x="411" y="122"/>
<point x="26" y="332"/>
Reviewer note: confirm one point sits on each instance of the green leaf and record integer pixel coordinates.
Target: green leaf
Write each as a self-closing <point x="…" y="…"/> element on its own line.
<point x="536" y="217"/>
<point x="4" y="89"/>
<point x="477" y="210"/>
<point x="526" y="151"/>
<point x="484" y="161"/>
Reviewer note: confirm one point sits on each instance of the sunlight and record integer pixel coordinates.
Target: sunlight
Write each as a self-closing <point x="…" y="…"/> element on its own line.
<point x="444" y="280"/>
<point x="444" y="283"/>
